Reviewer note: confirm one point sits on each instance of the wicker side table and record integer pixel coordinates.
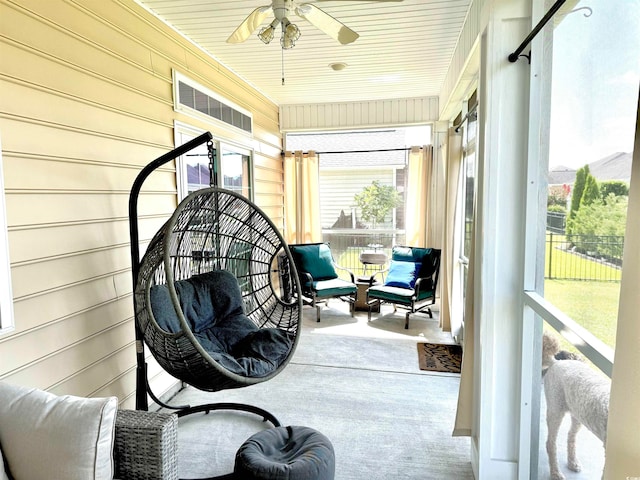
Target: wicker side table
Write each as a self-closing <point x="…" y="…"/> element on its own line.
<point x="146" y="446"/>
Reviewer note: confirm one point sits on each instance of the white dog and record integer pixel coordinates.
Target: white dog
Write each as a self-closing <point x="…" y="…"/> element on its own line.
<point x="572" y="386"/>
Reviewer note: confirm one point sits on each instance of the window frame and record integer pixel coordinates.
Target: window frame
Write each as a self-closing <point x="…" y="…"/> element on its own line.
<point x="225" y="146"/>
<point x="469" y="148"/>
<point x="192" y="112"/>
<point x="6" y="295"/>
<point x="220" y="144"/>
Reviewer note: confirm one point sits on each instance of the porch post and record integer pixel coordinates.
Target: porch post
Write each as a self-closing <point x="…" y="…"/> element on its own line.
<point x="499" y="244"/>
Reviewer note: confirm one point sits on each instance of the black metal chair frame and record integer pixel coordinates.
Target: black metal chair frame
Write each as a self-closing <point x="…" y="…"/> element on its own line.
<point x="413" y="305"/>
<point x="157" y="270"/>
<point x="310" y="296"/>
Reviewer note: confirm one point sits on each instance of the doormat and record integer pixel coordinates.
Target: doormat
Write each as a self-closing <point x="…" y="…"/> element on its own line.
<point x="437" y="357"/>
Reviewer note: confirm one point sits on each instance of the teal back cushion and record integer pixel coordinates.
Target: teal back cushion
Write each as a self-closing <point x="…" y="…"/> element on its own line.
<point x="427" y="257"/>
<point x="402" y="274"/>
<point x="430" y="262"/>
<point x="409" y="254"/>
<point x="314" y="259"/>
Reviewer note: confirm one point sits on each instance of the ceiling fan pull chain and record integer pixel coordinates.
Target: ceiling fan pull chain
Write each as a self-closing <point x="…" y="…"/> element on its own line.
<point x="282" y="52"/>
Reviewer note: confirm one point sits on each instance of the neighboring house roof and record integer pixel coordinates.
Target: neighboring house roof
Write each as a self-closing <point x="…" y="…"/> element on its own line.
<point x="350" y="142"/>
<point x="560" y="175"/>
<point x="616" y="166"/>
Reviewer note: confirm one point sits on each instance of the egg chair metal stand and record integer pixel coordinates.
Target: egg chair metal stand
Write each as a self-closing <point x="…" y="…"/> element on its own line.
<point x="207" y="302"/>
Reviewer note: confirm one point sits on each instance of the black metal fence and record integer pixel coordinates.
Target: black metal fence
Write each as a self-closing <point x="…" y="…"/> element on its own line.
<point x="583" y="257"/>
<point x="348" y="244"/>
<point x="568" y="257"/>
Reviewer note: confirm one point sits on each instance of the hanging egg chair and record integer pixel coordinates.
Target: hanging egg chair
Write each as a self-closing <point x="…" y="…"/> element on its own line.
<point x="207" y="293"/>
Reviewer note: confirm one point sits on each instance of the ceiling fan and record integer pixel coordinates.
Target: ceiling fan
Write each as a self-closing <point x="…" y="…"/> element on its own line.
<point x="282" y="11"/>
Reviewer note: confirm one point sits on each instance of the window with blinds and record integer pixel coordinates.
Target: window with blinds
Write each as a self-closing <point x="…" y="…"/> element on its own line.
<point x="196" y="99"/>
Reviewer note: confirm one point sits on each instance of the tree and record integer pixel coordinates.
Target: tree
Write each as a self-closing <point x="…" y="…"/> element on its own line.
<point x="578" y="189"/>
<point x="591" y="191"/>
<point x="598" y="220"/>
<point x="585" y="192"/>
<point x="617" y="187"/>
<point x="376" y="201"/>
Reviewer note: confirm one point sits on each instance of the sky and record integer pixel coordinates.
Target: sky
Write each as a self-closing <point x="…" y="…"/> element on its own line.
<point x="596" y="78"/>
<point x="417" y="136"/>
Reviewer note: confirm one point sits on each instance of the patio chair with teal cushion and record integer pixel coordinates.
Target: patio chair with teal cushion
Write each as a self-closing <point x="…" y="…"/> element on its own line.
<point x="410" y="281"/>
<point x="318" y="273"/>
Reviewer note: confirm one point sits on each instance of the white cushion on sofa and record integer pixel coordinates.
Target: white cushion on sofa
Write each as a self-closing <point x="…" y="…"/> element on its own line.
<point x="44" y="436"/>
<point x="3" y="474"/>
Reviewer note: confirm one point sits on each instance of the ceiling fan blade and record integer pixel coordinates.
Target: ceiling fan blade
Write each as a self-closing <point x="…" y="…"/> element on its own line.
<point x="325" y="22"/>
<point x="249" y="25"/>
<point x="363" y="0"/>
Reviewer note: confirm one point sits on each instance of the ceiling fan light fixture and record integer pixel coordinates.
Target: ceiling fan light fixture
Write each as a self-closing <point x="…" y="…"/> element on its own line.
<point x="337" y="66"/>
<point x="292" y="31"/>
<point x="266" y="34"/>
<point x="287" y="42"/>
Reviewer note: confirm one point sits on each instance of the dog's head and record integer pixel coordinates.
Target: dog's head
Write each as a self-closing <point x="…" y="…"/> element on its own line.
<point x="550" y="346"/>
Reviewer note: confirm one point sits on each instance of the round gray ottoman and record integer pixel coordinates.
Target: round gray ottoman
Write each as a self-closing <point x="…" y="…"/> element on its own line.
<point x="286" y="453"/>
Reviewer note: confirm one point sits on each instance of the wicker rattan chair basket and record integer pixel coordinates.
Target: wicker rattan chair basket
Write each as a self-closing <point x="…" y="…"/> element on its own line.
<point x="213" y="231"/>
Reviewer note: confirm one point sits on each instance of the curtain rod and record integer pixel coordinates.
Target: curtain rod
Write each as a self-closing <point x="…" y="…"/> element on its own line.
<point x="516" y="55"/>
<point x="469" y="114"/>
<point x="362" y="151"/>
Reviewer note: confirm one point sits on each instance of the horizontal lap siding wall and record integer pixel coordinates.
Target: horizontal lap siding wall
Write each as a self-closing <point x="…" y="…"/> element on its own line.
<point x="85" y="102"/>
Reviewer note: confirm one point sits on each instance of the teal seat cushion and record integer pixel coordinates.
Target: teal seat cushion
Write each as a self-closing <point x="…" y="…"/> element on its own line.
<point x="402" y="274"/>
<point x="333" y="288"/>
<point x="314" y="259"/>
<point x="397" y="294"/>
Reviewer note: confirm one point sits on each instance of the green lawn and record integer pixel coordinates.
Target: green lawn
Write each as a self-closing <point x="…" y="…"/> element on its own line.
<point x="594" y="305"/>
<point x="591" y="303"/>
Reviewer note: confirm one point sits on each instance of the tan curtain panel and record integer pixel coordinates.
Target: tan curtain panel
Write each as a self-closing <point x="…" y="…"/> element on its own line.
<point x="464" y="412"/>
<point x="622" y="452"/>
<point x="417" y="212"/>
<point x="302" y="197"/>
<point x="449" y="260"/>
<point x="290" y="197"/>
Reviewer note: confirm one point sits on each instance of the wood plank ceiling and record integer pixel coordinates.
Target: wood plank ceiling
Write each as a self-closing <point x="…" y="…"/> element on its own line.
<point x="403" y="51"/>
